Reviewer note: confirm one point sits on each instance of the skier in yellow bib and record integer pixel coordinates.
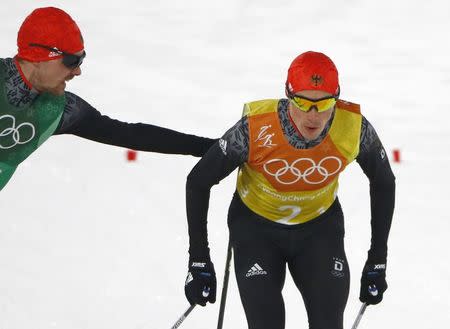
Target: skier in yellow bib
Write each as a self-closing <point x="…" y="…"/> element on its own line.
<point x="285" y="211"/>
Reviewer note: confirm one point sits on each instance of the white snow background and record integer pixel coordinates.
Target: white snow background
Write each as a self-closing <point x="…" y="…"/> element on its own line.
<point x="91" y="241"/>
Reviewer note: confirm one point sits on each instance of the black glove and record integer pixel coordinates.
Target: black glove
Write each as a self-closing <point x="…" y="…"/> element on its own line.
<point x="373" y="283"/>
<point x="200" y="286"/>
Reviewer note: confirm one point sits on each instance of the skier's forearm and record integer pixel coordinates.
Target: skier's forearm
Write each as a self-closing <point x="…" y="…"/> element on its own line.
<point x="382" y="208"/>
<point x="197" y="202"/>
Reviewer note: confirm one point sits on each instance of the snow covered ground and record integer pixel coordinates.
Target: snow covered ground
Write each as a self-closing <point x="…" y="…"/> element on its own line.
<point x="90" y="241"/>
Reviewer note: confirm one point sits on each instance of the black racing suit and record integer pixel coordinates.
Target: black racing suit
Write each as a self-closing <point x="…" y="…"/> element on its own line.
<point x="313" y="251"/>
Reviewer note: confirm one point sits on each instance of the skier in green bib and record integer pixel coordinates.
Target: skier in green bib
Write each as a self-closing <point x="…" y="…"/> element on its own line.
<point x="34" y="104"/>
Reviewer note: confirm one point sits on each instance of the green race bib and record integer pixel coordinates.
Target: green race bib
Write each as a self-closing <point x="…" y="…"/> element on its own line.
<point x="23" y="129"/>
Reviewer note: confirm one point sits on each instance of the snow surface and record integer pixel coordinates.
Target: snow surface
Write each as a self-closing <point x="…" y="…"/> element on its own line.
<point x="90" y="241"/>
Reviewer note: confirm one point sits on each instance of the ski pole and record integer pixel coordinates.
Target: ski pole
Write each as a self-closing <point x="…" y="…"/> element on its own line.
<point x="360" y="314"/>
<point x="226" y="276"/>
<point x="183" y="317"/>
<point x="373" y="291"/>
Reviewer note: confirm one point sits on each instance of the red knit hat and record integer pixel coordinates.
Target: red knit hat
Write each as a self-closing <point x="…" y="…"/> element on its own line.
<point x="312" y="71"/>
<point x="50" y="27"/>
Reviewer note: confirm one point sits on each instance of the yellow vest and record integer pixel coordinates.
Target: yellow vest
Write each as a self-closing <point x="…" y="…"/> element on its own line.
<point x="289" y="185"/>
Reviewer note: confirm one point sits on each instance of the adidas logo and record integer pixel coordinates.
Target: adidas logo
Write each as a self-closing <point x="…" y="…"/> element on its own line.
<point x="255" y="270"/>
<point x="189" y="278"/>
<point x="53" y="54"/>
<point x="223" y="146"/>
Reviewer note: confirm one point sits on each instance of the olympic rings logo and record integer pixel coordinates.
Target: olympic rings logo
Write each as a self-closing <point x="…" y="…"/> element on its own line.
<point x="14" y="132"/>
<point x="282" y="174"/>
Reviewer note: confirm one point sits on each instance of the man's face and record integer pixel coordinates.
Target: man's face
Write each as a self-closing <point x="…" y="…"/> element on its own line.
<point x="310" y="124"/>
<point x="51" y="76"/>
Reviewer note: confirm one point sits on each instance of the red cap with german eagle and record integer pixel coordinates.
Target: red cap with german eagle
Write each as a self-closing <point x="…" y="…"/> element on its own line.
<point x="312" y="71"/>
<point x="51" y="27"/>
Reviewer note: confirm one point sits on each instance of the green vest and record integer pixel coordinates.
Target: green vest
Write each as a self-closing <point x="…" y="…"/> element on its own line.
<point x="24" y="129"/>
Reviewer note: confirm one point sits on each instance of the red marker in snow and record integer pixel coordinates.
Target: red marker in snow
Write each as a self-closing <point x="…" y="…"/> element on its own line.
<point x="131" y="155"/>
<point x="396" y="155"/>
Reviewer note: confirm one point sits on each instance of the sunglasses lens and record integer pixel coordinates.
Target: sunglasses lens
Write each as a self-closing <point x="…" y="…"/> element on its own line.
<point x="73" y="61"/>
<point x="305" y="105"/>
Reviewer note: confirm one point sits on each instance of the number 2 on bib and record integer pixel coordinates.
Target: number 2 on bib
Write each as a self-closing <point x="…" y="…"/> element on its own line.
<point x="295" y="210"/>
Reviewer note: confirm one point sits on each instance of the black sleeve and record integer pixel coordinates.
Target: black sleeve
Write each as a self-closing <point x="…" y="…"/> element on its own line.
<point x="375" y="164"/>
<point x="222" y="158"/>
<point x="82" y="120"/>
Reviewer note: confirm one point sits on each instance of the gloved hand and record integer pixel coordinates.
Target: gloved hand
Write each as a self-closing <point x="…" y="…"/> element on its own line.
<point x="200" y="286"/>
<point x="373" y="283"/>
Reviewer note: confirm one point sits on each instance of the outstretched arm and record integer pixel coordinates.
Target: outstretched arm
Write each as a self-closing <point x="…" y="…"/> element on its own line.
<point x="82" y="120"/>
